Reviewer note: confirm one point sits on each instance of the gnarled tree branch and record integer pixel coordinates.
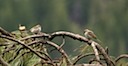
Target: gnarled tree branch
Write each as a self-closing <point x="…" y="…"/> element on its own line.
<point x="69" y="34"/>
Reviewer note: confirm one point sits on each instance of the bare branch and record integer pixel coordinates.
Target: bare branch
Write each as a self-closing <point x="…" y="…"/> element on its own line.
<point x="62" y="43"/>
<point x="61" y="51"/>
<point x="82" y="56"/>
<point x="105" y="55"/>
<point x="120" y="57"/>
<point x="60" y="33"/>
<point x="36" y="36"/>
<point x="95" y="51"/>
<point x="4" y="32"/>
<point x="81" y="38"/>
<point x="69" y="34"/>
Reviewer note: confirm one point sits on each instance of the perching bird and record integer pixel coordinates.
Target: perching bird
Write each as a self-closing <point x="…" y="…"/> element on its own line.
<point x="90" y="35"/>
<point x="36" y="29"/>
<point x="22" y="27"/>
<point x="22" y="31"/>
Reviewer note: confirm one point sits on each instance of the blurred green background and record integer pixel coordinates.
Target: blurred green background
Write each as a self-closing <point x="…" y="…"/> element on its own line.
<point x="107" y="18"/>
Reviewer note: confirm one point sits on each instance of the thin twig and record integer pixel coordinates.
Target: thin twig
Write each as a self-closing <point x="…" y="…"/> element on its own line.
<point x="61" y="51"/>
<point x="82" y="56"/>
<point x="62" y="43"/>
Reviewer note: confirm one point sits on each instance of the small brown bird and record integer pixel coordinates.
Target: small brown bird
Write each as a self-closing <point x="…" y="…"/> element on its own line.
<point x="89" y="34"/>
<point x="36" y="29"/>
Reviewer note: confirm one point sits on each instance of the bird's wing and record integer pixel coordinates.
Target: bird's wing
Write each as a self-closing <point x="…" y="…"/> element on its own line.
<point x="92" y="34"/>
